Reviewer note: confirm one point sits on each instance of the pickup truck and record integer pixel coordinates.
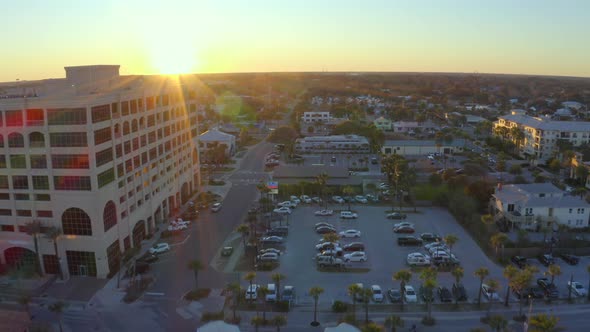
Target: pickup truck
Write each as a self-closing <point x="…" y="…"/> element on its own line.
<point x="329" y="261"/>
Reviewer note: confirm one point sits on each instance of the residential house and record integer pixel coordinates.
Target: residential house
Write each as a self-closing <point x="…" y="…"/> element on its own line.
<point x="383" y="124"/>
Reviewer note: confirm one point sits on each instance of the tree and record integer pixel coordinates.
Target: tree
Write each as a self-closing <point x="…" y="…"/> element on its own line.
<point x="256" y="321"/>
<point x="249" y="277"/>
<point x="497" y="323"/>
<point x="553" y="271"/>
<point x="366" y="294"/>
<point x="404" y="276"/>
<point x="278" y="321"/>
<point x="554" y="165"/>
<point x="315" y="292"/>
<point x="354" y="290"/>
<point x="493" y="286"/>
<point x="582" y="173"/>
<point x="509" y="273"/>
<point x="283" y="135"/>
<point x="34" y="229"/>
<point x="519" y="283"/>
<point x="544" y="323"/>
<point x="195" y="266"/>
<point x="277" y="278"/>
<point x="235" y="290"/>
<point x="515" y="169"/>
<point x="54" y="233"/>
<point x="243" y="229"/>
<point x="348" y="191"/>
<point x="331" y="237"/>
<point x="24" y="299"/>
<point x="395" y="167"/>
<point x="451" y="240"/>
<point x="58" y="308"/>
<point x="393" y="321"/>
<point x="322" y="180"/>
<point x="429" y="283"/>
<point x="371" y="327"/>
<point x="457" y="273"/>
<point x="481" y="273"/>
<point x="498" y="241"/>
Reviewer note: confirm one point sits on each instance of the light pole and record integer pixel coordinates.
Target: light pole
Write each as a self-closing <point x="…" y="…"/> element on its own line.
<point x="528" y="317"/>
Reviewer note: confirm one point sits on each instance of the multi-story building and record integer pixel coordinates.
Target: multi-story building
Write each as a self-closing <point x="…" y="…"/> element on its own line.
<point x="309" y="117"/>
<point x="541" y="135"/>
<point x="102" y="157"/>
<point x="383" y="124"/>
<point x="332" y="144"/>
<point x="536" y="205"/>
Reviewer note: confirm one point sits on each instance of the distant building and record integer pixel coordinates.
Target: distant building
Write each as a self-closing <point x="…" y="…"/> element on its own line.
<point x="537" y="205"/>
<point x="383" y="124"/>
<point x="337" y="176"/>
<point x="577" y="162"/>
<point x="412" y="127"/>
<point x="421" y="147"/>
<point x="310" y="117"/>
<point x="334" y="143"/>
<point x="572" y="105"/>
<point x="214" y="137"/>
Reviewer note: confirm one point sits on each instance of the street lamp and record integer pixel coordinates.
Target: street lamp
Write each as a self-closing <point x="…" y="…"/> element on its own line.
<point x="528" y="318"/>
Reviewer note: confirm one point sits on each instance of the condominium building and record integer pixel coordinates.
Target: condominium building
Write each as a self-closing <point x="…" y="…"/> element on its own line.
<point x="541" y="134"/>
<point x="102" y="157"/>
<point x="332" y="144"/>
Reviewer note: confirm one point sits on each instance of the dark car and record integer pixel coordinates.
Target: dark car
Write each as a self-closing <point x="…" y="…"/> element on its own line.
<point x="445" y="294"/>
<point x="148" y="258"/>
<point x="519" y="261"/>
<point x="276" y="232"/>
<point x="534" y="292"/>
<point x="445" y="261"/>
<point x="459" y="292"/>
<point x="374" y="161"/>
<point x="325" y="230"/>
<point x="409" y="241"/>
<point x="404" y="229"/>
<point x="430" y="237"/>
<point x="138" y="268"/>
<point x="354" y="246"/>
<point x="570" y="259"/>
<point x="546" y="259"/>
<point x="227" y="251"/>
<point x="395" y="296"/>
<point x="396" y="215"/>
<point x="549" y="288"/>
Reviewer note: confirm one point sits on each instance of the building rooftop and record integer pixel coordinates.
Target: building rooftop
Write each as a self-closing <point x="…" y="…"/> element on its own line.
<point x="528" y="195"/>
<point x="455" y="142"/>
<point x="335" y="138"/>
<point x="215" y="135"/>
<point x="547" y="124"/>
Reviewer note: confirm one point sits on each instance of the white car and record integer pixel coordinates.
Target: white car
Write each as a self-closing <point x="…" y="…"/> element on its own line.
<point x="577" y="288"/>
<point x="180" y="221"/>
<point x="403" y="224"/>
<point x="272" y="293"/>
<point x="252" y="292"/>
<point x="305" y="199"/>
<point x="350" y="233"/>
<point x="159" y="248"/>
<point x="357" y="256"/>
<point x="216" y="207"/>
<point x="418" y="259"/>
<point x="435" y="245"/>
<point x="383" y="186"/>
<point x="438" y="251"/>
<point x="410" y="294"/>
<point x="361" y="199"/>
<point x="177" y="227"/>
<point x="268" y="257"/>
<point x="324" y="213"/>
<point x="377" y="293"/>
<point x="288" y="204"/>
<point x="282" y="210"/>
<point x="295" y="200"/>
<point x="338" y="199"/>
<point x="269" y="250"/>
<point x="489" y="293"/>
<point x="316" y="199"/>
<point x="348" y="215"/>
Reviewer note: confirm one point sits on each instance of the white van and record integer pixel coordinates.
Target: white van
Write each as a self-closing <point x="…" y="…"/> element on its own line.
<point x="272" y="293"/>
<point x="252" y="292"/>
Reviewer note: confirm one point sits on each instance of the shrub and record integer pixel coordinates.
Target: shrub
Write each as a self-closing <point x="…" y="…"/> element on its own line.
<point x="197" y="294"/>
<point x="339" y="306"/>
<point x="211" y="316"/>
<point x="282" y="306"/>
<point x="428" y="321"/>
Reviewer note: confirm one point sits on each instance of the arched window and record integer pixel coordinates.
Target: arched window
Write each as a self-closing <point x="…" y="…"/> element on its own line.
<point x="134" y="126"/>
<point x="117" y="130"/>
<point x="109" y="215"/>
<point x="76" y="222"/>
<point x="1" y="141"/>
<point x="125" y="128"/>
<point x="36" y="140"/>
<point x="141" y="122"/>
<point x="16" y="140"/>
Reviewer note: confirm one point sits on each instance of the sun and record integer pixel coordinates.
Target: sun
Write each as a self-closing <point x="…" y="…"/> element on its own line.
<point x="174" y="60"/>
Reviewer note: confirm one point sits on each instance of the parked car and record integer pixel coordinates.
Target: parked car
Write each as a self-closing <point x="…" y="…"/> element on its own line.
<point x="577" y="288"/>
<point x="394" y="294"/>
<point x="459" y="292"/>
<point x="445" y="294"/>
<point x="227" y="251"/>
<point x="271" y="296"/>
<point x="323" y="224"/>
<point x="450" y="260"/>
<point x="159" y="248"/>
<point x="270" y="250"/>
<point x="354" y="246"/>
<point x="396" y="215"/>
<point x="305" y="199"/>
<point x="404" y="229"/>
<point x="295" y="200"/>
<point x="335" y="252"/>
<point x="374" y="161"/>
<point x="348" y="215"/>
<point x="356" y="256"/>
<point x="361" y="199"/>
<point x="276" y="232"/>
<point x="287" y="204"/>
<point x="377" y="293"/>
<point x="403" y="224"/>
<point x="329" y="261"/>
<point x="570" y="259"/>
<point x="288" y="293"/>
<point x="409" y="241"/>
<point x="410" y="294"/>
<point x="519" y="261"/>
<point x="372" y="198"/>
<point x="337" y="199"/>
<point x="490" y="293"/>
<point x="438" y="245"/>
<point x="324" y="213"/>
<point x="216" y="207"/>
<point x="149" y="258"/>
<point x="268" y="257"/>
<point x="430" y="237"/>
<point x="418" y="260"/>
<point x="316" y="200"/>
<point x="350" y="233"/>
<point x="546" y="259"/>
<point x="326" y="245"/>
<point x="252" y="292"/>
<point x="549" y="288"/>
<point x="282" y="210"/>
<point x="272" y="239"/>
<point x="325" y="230"/>
<point x="177" y="227"/>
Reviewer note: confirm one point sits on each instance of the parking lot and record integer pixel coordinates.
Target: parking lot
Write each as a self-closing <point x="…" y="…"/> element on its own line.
<point x="385" y="257"/>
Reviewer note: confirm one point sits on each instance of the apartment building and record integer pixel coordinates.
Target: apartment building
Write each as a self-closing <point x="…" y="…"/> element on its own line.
<point x="536" y="205"/>
<point x="541" y="134"/>
<point x="310" y="117"/>
<point x="105" y="158"/>
<point x="332" y="144"/>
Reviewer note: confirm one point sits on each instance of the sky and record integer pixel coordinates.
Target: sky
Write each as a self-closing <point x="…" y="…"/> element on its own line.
<point x="544" y="37"/>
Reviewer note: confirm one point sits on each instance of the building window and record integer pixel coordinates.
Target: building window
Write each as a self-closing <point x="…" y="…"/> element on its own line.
<point x="42" y="197"/>
<point x="21" y="197"/>
<point x="127" y="147"/>
<point x="102" y="135"/>
<point x="78" y="139"/>
<point x="106" y="177"/>
<point x="18" y="161"/>
<point x="50" y="264"/>
<point x="101" y="113"/>
<point x="72" y="183"/>
<point x="5" y="212"/>
<point x="4" y="196"/>
<point x="66" y="116"/>
<point x="14" y="118"/>
<point x="16" y="140"/>
<point x="125" y="107"/>
<point x="38" y="161"/>
<point x="119" y="150"/>
<point x="134" y="126"/>
<point x="2" y="161"/>
<point x="109" y="215"/>
<point x="40" y="182"/>
<point x="69" y="161"/>
<point x="76" y="222"/>
<point x="7" y="228"/>
<point x="20" y="182"/>
<point x="104" y="156"/>
<point x="81" y="263"/>
<point x="36" y="140"/>
<point x="44" y="214"/>
<point x="23" y="213"/>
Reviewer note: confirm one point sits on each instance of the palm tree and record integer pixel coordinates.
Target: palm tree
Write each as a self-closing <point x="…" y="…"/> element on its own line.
<point x="366" y="296"/>
<point x="553" y="271"/>
<point x="353" y="291"/>
<point x="457" y="273"/>
<point x="509" y="273"/>
<point x="278" y="321"/>
<point x="428" y="277"/>
<point x="277" y="278"/>
<point x="243" y="229"/>
<point x="24" y="299"/>
<point x="493" y="283"/>
<point x="393" y="321"/>
<point x="371" y="327"/>
<point x="235" y="289"/>
<point x="249" y="277"/>
<point x="404" y="277"/>
<point x="195" y="266"/>
<point x="58" y="309"/>
<point x="348" y="191"/>
<point x="487" y="219"/>
<point x="498" y="240"/>
<point x="519" y="283"/>
<point x="34" y="229"/>
<point x="322" y="180"/>
<point x="262" y="292"/>
<point x="481" y="273"/>
<point x="394" y="167"/>
<point x="331" y="237"/>
<point x="451" y="240"/>
<point x="544" y="323"/>
<point x="588" y="270"/>
<point x="257" y="321"/>
<point x="315" y="292"/>
<point x="54" y="233"/>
